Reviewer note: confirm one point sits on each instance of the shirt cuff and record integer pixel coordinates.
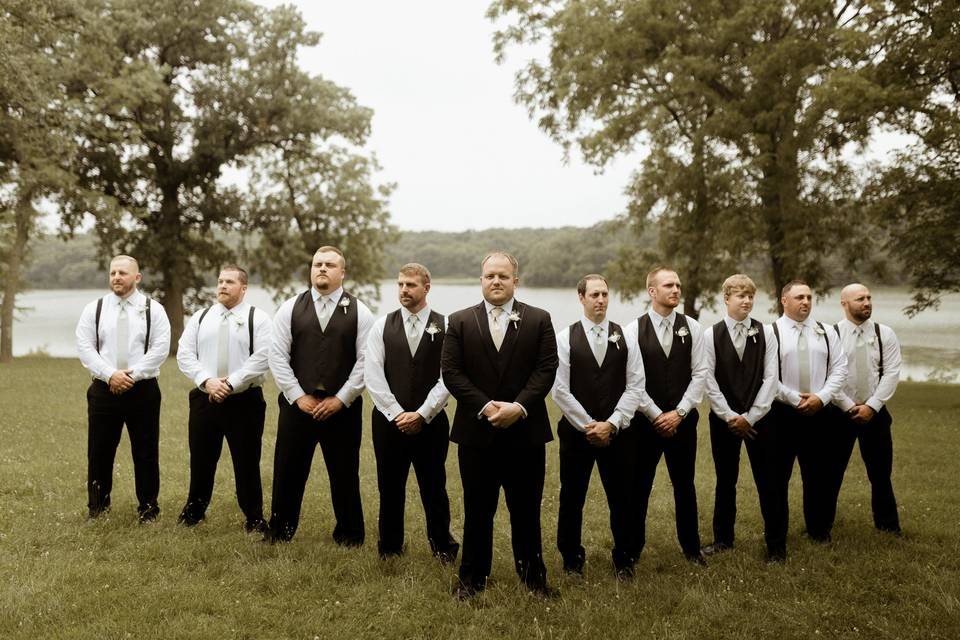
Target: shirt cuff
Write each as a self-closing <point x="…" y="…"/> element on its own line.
<point x="393" y="411"/>
<point x="844" y="402"/>
<point x="294" y="393"/>
<point x="652" y="412"/>
<point x="874" y="404"/>
<point x="483" y="408"/>
<point x="824" y="398"/>
<point x="522" y="408"/>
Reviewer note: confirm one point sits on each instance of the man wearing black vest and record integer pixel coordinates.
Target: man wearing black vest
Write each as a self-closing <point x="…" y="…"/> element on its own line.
<point x="499" y="362"/>
<point x="598" y="388"/>
<point x="671" y="345"/>
<point x="223" y="350"/>
<point x="873" y="371"/>
<point x="402" y="375"/>
<point x="317" y="361"/>
<point x="122" y="339"/>
<point x="811" y="367"/>
<point x="741" y="384"/>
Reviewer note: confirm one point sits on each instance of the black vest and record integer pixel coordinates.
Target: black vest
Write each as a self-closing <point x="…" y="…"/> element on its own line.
<point x="739" y="380"/>
<point x="411" y="377"/>
<point x="597" y="388"/>
<point x="667" y="378"/>
<point x="322" y="360"/>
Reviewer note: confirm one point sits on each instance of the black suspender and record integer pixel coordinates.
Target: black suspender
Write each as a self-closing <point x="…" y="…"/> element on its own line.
<point x="96" y="328"/>
<point x="876" y="327"/>
<point x="776" y="332"/>
<point x="249" y="326"/>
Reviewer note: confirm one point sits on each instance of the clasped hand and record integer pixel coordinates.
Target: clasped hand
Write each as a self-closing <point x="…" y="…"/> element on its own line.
<point x="217" y="389"/>
<point x="121" y="381"/>
<point x="739" y="427"/>
<point x="810" y="403"/>
<point x="502" y="414"/>
<point x="600" y="434"/>
<point x="667" y="422"/>
<point x="319" y="409"/>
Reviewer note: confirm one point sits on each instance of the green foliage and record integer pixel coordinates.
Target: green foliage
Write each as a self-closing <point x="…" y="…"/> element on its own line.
<point x="112" y="578"/>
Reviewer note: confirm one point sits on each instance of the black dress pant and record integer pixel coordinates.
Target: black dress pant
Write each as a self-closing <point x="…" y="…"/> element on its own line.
<point x="680" y="451"/>
<point x="811" y="441"/>
<point x="139" y="409"/>
<point x="876" y="449"/>
<point x="427" y="452"/>
<point x="520" y="471"/>
<point x="726" y="460"/>
<point x="577" y="459"/>
<point x="298" y="435"/>
<point x="239" y="419"/>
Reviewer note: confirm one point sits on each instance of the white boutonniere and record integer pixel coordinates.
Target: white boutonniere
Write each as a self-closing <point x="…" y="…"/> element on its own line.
<point x="819" y="330"/>
<point x="345" y="303"/>
<point x="433" y="330"/>
<point x="514" y="317"/>
<point x="615" y="339"/>
<point x="239" y="322"/>
<point x="141" y="310"/>
<point x="683" y="333"/>
<point x="752" y="333"/>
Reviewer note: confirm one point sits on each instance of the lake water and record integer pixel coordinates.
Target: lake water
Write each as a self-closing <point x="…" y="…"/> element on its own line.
<point x="930" y="341"/>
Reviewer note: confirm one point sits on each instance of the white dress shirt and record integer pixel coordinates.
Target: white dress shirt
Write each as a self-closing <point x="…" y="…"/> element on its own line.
<point x="698" y="363"/>
<point x="629" y="400"/>
<point x="198" y="349"/>
<point x="376" y="379"/>
<point x="102" y="365"/>
<point x="283" y="340"/>
<point x="768" y="388"/>
<point x="825" y="382"/>
<point x="881" y="389"/>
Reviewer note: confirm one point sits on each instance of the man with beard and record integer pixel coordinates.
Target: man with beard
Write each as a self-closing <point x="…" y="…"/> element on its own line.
<point x="873" y="371"/>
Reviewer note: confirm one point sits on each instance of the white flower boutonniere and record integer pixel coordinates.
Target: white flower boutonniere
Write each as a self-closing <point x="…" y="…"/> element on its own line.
<point x="819" y="330"/>
<point x="433" y="330"/>
<point x="752" y="333"/>
<point x="345" y="303"/>
<point x="615" y="339"/>
<point x="514" y="317"/>
<point x="239" y="322"/>
<point x="683" y="332"/>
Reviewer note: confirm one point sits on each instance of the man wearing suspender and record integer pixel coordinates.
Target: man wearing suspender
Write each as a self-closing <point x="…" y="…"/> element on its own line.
<point x="873" y="371"/>
<point x="671" y="345"/>
<point x="741" y="384"/>
<point x="402" y="375"/>
<point x="122" y="339"/>
<point x="811" y="370"/>
<point x="223" y="350"/>
<point x="598" y="388"/>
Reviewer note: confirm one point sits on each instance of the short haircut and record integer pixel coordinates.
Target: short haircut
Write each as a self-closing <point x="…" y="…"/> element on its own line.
<point x="582" y="285"/>
<point x="503" y="254"/>
<point x="240" y="270"/>
<point x="126" y="257"/>
<point x="416" y="269"/>
<point x="655" y="272"/>
<point x="325" y="248"/>
<point x="791" y="285"/>
<point x="738" y="282"/>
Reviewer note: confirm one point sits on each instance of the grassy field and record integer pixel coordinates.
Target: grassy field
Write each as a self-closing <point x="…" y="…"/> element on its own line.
<point x="63" y="578"/>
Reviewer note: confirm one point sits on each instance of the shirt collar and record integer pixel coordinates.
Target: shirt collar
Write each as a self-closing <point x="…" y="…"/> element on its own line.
<point x="658" y="319"/>
<point x="732" y="323"/>
<point x="334" y="296"/>
<point x="135" y="298"/>
<point x="589" y="324"/>
<point x="791" y="323"/>
<point x="238" y="309"/>
<point x="506" y="306"/>
<point x="423" y="315"/>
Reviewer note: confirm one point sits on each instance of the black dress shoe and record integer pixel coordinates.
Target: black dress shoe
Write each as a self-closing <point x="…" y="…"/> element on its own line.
<point x="625" y="573"/>
<point x="256" y="526"/>
<point x="778" y="555"/>
<point x="148" y="514"/>
<point x="543" y="590"/>
<point x="819" y="538"/>
<point x="447" y="556"/>
<point x="465" y="592"/>
<point x="696" y="558"/>
<point x="573" y="568"/>
<point x="715" y="548"/>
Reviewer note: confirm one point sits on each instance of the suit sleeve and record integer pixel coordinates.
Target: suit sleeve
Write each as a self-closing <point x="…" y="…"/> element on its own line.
<point x="545" y="370"/>
<point x="452" y="370"/>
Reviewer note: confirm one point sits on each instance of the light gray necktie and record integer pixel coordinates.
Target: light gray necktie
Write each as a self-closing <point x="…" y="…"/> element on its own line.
<point x="123" y="336"/>
<point x="324" y="314"/>
<point x="739" y="338"/>
<point x="803" y="360"/>
<point x="496" y="331"/>
<point x="599" y="344"/>
<point x="666" y="337"/>
<point x="223" y="346"/>
<point x="413" y="333"/>
<point x="863" y="367"/>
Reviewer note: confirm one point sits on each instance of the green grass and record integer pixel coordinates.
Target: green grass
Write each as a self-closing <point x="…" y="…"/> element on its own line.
<point x="63" y="578"/>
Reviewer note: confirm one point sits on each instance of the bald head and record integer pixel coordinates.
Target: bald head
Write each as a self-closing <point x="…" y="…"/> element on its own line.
<point x="857" y="303"/>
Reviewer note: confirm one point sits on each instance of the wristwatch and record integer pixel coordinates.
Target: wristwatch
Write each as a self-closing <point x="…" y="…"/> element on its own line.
<point x="682" y="413"/>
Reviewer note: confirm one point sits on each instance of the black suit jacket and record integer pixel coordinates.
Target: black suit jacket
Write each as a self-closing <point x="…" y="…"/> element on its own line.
<point x="522" y="371"/>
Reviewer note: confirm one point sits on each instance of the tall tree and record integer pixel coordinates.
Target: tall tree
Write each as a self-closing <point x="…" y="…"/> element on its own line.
<point x="195" y="88"/>
<point x="748" y="104"/>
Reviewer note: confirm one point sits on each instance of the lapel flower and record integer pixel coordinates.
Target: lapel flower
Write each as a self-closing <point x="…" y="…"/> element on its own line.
<point x="683" y="333"/>
<point x="514" y="317"/>
<point x="238" y="321"/>
<point x="615" y="339"/>
<point x="433" y="330"/>
<point x="752" y="333"/>
<point x="345" y="303"/>
<point x="141" y="309"/>
<point x="819" y="330"/>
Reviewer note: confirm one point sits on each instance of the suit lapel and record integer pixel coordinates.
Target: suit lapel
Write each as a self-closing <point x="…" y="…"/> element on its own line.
<point x="509" y="338"/>
<point x="483" y="326"/>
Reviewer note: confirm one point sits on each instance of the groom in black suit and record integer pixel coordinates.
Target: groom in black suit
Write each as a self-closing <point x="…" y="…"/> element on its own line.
<point x="499" y="361"/>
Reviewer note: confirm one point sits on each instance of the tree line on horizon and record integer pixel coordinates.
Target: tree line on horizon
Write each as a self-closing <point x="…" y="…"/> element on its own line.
<point x="758" y="115"/>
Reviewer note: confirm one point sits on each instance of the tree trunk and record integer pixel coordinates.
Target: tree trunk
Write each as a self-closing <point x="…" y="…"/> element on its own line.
<point x="174" y="264"/>
<point x="23" y="221"/>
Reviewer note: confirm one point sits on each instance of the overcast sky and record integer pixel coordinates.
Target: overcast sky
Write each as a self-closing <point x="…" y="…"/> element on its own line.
<point x="445" y="127"/>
